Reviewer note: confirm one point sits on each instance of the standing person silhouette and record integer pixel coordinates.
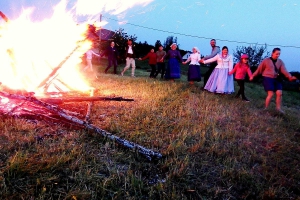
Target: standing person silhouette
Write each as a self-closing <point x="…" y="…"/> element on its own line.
<point x="112" y="56"/>
<point x="161" y="67"/>
<point x="214" y="51"/>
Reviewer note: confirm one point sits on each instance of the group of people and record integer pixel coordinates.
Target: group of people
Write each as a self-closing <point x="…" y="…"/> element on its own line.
<point x="218" y="78"/>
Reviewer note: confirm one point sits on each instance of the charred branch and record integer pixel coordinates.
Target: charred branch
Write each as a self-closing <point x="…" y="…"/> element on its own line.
<point x="148" y="153"/>
<point x="81" y="99"/>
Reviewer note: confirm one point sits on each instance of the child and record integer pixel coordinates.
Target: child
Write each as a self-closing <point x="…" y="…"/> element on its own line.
<point x="89" y="56"/>
<point x="194" y="67"/>
<point x="240" y="70"/>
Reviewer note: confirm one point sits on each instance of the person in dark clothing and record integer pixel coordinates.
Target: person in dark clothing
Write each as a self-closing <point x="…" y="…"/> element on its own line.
<point x="173" y="67"/>
<point x="161" y="67"/>
<point x="112" y="56"/>
<point x="214" y="51"/>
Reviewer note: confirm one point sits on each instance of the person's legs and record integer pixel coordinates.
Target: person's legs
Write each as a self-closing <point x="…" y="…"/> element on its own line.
<point x="268" y="98"/>
<point x="133" y="66"/>
<point x="242" y="89"/>
<point x="158" y="69"/>
<point x="163" y="70"/>
<point x="127" y="66"/>
<point x="239" y="82"/>
<point x="89" y="65"/>
<point x="278" y="100"/>
<point x="109" y="65"/>
<point x="153" y="69"/>
<point x="208" y="73"/>
<point x="115" y="63"/>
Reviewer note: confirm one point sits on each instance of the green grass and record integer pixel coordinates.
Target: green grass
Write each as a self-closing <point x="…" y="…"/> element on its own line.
<point x="213" y="146"/>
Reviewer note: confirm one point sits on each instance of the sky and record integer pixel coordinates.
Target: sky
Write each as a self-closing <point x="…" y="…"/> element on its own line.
<point x="194" y="22"/>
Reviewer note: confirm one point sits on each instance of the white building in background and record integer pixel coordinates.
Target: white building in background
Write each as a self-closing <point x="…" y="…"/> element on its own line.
<point x="186" y="56"/>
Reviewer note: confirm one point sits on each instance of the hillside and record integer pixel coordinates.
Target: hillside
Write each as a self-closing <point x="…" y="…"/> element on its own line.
<point x="213" y="146"/>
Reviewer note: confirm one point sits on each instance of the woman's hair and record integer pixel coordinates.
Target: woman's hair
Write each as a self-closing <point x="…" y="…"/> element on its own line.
<point x="225" y="47"/>
<point x="276" y="49"/>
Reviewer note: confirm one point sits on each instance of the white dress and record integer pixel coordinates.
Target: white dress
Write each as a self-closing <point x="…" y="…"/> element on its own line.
<point x="219" y="80"/>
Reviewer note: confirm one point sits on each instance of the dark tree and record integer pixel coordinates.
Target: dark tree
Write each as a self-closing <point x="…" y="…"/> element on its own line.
<point x="143" y="48"/>
<point x="170" y="40"/>
<point x="256" y="54"/>
<point x="157" y="44"/>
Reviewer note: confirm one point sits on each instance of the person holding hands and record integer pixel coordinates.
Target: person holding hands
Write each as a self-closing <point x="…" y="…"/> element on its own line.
<point x="241" y="69"/>
<point x="152" y="62"/>
<point x="194" y="67"/>
<point x="271" y="68"/>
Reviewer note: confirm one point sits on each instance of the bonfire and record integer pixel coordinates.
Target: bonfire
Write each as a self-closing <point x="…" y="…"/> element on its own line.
<point x="41" y="70"/>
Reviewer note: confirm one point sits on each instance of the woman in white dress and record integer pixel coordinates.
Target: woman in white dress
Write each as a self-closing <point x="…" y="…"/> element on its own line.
<point x="219" y="81"/>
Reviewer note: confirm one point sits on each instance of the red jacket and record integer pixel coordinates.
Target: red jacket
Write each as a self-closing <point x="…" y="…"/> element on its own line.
<point x="240" y="70"/>
<point x="152" y="58"/>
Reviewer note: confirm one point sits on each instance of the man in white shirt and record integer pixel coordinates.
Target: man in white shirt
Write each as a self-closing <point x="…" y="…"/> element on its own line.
<point x="130" y="58"/>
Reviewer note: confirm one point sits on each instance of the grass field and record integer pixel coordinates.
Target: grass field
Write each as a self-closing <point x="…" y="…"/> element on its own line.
<point x="213" y="146"/>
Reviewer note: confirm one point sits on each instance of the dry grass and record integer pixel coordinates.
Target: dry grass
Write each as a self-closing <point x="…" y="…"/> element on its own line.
<point x="214" y="147"/>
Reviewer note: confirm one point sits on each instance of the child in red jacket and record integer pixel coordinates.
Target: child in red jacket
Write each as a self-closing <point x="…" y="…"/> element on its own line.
<point x="241" y="69"/>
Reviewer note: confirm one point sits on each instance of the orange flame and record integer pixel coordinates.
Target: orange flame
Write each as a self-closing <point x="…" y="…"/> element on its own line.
<point x="30" y="51"/>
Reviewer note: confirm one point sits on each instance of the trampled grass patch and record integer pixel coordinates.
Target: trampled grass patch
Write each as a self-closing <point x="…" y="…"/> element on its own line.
<point x="213" y="146"/>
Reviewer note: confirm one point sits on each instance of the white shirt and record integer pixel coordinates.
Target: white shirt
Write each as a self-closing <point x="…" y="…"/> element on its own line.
<point x="194" y="58"/>
<point x="223" y="63"/>
<point x="130" y="49"/>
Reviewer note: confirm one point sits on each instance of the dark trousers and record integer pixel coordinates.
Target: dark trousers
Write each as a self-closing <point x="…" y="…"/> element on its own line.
<point x="241" y="91"/>
<point x="153" y="70"/>
<point x="112" y="62"/>
<point x="161" y="68"/>
<point x="212" y="66"/>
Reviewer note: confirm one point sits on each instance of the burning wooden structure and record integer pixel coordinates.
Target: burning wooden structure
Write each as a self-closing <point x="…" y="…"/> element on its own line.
<point x="26" y="105"/>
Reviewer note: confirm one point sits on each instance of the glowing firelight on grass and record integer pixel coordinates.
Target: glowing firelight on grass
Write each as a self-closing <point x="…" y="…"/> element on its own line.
<point x="30" y="51"/>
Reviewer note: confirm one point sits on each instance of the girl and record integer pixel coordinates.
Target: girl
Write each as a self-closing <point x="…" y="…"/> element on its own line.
<point x="241" y="69"/>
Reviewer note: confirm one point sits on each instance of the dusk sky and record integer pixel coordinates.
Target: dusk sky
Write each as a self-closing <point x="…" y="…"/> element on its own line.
<point x="231" y="22"/>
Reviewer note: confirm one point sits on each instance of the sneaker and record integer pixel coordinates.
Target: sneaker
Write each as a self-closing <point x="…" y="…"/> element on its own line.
<point x="133" y="76"/>
<point x="122" y="73"/>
